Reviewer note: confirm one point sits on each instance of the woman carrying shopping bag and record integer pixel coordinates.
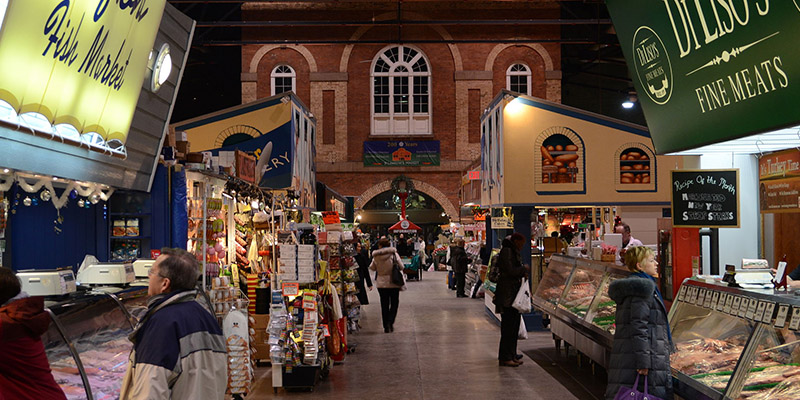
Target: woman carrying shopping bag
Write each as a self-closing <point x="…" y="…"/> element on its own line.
<point x="385" y="261"/>
<point x="642" y="341"/>
<point x="510" y="280"/>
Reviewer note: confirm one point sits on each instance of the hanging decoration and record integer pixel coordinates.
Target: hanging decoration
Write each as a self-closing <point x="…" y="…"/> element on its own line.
<point x="34" y="183"/>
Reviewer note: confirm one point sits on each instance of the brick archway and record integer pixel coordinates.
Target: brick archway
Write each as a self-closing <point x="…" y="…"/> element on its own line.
<point x="430" y="190"/>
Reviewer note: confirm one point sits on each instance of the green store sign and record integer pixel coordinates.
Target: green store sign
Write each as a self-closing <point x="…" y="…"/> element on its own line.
<point x="708" y="71"/>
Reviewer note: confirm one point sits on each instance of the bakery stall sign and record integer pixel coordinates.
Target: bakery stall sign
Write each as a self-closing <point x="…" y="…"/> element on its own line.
<point x="705" y="198"/>
<point x="79" y="62"/>
<point x="779" y="182"/>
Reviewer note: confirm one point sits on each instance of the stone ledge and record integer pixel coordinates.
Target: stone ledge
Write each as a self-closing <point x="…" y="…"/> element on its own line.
<point x="473" y="75"/>
<point x="327" y="77"/>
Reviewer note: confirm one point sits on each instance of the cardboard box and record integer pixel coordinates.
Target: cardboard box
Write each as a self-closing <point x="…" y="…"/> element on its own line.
<point x="262" y="321"/>
<point x="182" y="146"/>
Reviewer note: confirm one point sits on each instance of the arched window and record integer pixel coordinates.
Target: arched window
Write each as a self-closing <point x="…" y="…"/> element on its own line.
<point x="518" y="79"/>
<point x="282" y="78"/>
<point x="401" y="92"/>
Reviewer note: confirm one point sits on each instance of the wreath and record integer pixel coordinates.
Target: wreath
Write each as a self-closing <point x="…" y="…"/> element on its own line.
<point x="402" y="178"/>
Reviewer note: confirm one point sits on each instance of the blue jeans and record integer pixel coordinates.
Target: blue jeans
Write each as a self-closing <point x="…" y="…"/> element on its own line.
<point x="451" y="280"/>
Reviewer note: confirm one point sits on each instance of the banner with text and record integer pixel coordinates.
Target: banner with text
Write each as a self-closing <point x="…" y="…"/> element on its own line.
<point x="79" y="62"/>
<point x="401" y="153"/>
<point x="711" y="71"/>
<point x="706" y="198"/>
<point x="779" y="178"/>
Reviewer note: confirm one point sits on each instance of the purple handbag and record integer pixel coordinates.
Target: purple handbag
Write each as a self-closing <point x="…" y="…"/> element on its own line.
<point x="626" y="393"/>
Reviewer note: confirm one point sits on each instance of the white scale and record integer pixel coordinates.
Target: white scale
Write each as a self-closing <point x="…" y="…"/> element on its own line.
<point x="93" y="272"/>
<point x="51" y="282"/>
<point x="141" y="269"/>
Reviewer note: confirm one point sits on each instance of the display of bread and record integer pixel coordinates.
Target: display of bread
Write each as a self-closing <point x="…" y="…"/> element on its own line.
<point x="634" y="167"/>
<point x="562" y="158"/>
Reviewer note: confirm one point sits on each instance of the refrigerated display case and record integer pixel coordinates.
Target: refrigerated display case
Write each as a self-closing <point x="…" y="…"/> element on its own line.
<point x="734" y="343"/>
<point x="575" y="294"/>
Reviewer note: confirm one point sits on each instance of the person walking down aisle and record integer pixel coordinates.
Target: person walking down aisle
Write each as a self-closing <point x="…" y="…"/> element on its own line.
<point x="24" y="369"/>
<point x="459" y="261"/>
<point x="362" y="259"/>
<point x="383" y="261"/>
<point x="642" y="342"/>
<point x="178" y="348"/>
<point x="511" y="273"/>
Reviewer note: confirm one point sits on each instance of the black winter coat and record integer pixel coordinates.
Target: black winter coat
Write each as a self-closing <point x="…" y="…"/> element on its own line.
<point x="511" y="273"/>
<point x="641" y="339"/>
<point x="362" y="259"/>
<point x="458" y="259"/>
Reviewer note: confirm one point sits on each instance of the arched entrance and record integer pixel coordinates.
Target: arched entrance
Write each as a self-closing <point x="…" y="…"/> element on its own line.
<point x="449" y="209"/>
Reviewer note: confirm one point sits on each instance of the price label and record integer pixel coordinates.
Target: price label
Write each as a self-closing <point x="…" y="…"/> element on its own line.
<point x="682" y="293"/>
<point x="325" y="330"/>
<point x="728" y="303"/>
<point x="744" y="305"/>
<point x="735" y="306"/>
<point x="291" y="289"/>
<point x="693" y="299"/>
<point x="769" y="310"/>
<point x="751" y="308"/>
<point x="783" y="312"/>
<point x="762" y="306"/>
<point x="795" y="323"/>
<point x="707" y="303"/>
<point x="715" y="304"/>
<point x="700" y="298"/>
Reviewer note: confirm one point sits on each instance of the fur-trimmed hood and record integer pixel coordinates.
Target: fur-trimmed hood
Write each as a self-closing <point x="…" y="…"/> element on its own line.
<point x="631" y="286"/>
<point x="384" y="251"/>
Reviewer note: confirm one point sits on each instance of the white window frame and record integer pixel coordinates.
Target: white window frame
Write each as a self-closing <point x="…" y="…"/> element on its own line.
<point x="526" y="73"/>
<point x="275" y="74"/>
<point x="401" y="123"/>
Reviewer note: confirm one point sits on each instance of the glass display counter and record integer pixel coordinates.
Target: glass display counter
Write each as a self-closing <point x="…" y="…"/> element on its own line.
<point x="734" y="343"/>
<point x="575" y="294"/>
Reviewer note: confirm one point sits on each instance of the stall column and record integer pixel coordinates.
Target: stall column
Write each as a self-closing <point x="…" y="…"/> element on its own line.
<point x="522" y="224"/>
<point x="491" y="236"/>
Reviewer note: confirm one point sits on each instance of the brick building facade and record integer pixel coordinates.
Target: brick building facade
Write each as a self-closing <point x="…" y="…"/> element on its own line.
<point x="468" y="64"/>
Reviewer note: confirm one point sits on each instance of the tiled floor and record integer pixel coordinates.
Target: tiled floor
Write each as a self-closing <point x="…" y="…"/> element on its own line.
<point x="443" y="347"/>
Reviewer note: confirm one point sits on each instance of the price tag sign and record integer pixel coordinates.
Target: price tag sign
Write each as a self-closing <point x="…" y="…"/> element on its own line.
<point x="695" y="291"/>
<point x="290" y="288"/>
<point x="783" y="312"/>
<point x="743" y="306"/>
<point x="682" y="293"/>
<point x="325" y="330"/>
<point x="709" y="296"/>
<point x="728" y="303"/>
<point x="762" y="306"/>
<point x="737" y="302"/>
<point x="795" y="322"/>
<point x="769" y="310"/>
<point x="751" y="308"/>
<point x="700" y="298"/>
<point x="715" y="303"/>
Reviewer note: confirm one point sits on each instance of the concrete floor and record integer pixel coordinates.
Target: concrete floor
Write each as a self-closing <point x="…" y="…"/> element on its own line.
<point x="443" y="347"/>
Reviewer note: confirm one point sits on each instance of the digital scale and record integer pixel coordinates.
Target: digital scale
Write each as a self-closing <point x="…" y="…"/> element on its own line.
<point x="92" y="272"/>
<point x="49" y="282"/>
<point x="141" y="270"/>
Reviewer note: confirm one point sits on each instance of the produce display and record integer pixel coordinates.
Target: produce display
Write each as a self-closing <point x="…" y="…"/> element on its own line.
<point x="634" y="166"/>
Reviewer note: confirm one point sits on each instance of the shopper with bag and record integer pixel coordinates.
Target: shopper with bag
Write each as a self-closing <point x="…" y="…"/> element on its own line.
<point x="508" y="285"/>
<point x="642" y="342"/>
<point x="385" y="261"/>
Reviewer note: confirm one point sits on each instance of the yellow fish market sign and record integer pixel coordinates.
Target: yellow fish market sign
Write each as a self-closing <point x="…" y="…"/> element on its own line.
<point x="79" y="62"/>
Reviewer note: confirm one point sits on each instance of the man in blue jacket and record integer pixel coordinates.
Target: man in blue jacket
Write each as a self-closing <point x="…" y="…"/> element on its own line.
<point x="178" y="347"/>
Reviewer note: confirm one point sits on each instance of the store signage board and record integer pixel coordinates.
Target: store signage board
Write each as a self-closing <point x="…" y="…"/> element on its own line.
<point x="401" y="153"/>
<point x="80" y="63"/>
<point x="705" y="198"/>
<point x="794" y="324"/>
<point x="706" y="71"/>
<point x="780" y="319"/>
<point x="779" y="182"/>
<point x="502" y="223"/>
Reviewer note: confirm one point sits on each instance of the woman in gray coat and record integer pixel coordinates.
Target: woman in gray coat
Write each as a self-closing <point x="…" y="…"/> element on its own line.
<point x="643" y="341"/>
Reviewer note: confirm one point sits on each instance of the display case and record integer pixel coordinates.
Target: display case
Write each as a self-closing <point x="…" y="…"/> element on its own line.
<point x="734" y="343"/>
<point x="575" y="294"/>
<point x="87" y="344"/>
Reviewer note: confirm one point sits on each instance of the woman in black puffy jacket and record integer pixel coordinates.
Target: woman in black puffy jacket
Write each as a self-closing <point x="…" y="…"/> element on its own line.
<point x="642" y="341"/>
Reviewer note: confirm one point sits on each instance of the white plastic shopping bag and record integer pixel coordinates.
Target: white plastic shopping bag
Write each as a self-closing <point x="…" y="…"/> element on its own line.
<point x="523" y="330"/>
<point x="523" y="300"/>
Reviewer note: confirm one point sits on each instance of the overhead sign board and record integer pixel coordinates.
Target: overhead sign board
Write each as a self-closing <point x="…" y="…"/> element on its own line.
<point x="779" y="182"/>
<point x="711" y="71"/>
<point x="705" y="198"/>
<point x="403" y="153"/>
<point x="79" y="62"/>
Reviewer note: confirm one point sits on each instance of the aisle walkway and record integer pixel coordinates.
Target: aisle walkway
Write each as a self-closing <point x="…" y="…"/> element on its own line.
<point x="442" y="347"/>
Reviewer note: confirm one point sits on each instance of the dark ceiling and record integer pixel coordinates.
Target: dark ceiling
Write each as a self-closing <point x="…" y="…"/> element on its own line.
<point x="595" y="76"/>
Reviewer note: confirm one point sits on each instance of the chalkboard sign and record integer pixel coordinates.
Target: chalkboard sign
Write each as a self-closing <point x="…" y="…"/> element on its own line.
<point x="706" y="198"/>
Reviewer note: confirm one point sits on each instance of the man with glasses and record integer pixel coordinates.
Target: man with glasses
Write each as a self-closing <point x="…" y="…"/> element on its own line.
<point x="178" y="347"/>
